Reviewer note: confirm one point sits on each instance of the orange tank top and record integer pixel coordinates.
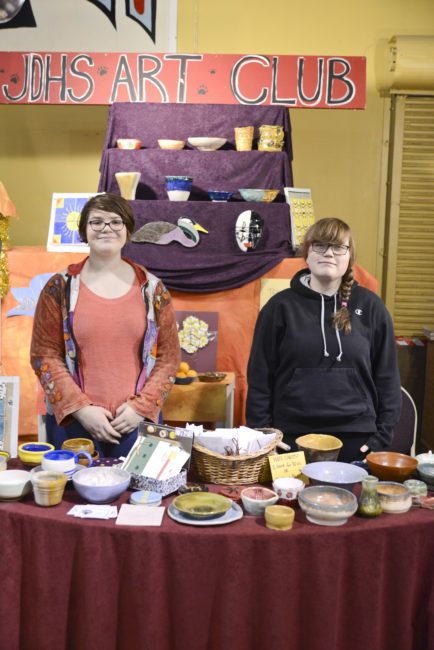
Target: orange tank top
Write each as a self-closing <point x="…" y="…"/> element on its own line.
<point x="109" y="334"/>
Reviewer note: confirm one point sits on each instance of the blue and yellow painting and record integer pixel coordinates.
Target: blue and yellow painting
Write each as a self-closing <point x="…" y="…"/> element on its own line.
<point x="65" y="218"/>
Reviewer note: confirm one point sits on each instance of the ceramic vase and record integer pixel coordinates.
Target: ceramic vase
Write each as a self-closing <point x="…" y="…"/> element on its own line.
<point x="128" y="182"/>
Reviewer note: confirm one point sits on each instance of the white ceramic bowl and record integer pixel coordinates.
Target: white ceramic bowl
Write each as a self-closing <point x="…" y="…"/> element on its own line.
<point x="173" y="145"/>
<point x="327" y="505"/>
<point x="207" y="144"/>
<point x="427" y="457"/>
<point x="14" y="484"/>
<point x="101" y="484"/>
<point x="329" y="472"/>
<point x="256" y="499"/>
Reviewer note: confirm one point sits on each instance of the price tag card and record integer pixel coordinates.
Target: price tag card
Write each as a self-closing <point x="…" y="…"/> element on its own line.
<point x="284" y="465"/>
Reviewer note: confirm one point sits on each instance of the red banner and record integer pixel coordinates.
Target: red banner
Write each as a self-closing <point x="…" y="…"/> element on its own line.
<point x="104" y="78"/>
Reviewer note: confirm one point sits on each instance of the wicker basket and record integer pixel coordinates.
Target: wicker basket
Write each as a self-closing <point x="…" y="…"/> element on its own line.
<point x="234" y="470"/>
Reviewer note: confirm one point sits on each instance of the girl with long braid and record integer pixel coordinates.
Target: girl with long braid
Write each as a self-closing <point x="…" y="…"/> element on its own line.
<point x="323" y="357"/>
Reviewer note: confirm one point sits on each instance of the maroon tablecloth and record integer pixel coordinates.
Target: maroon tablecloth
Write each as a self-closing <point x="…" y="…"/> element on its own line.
<point x="91" y="585"/>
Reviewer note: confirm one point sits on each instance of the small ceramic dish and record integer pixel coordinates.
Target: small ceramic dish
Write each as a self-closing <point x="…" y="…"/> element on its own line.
<point x="219" y="196"/>
<point x="417" y="488"/>
<point x="128" y="143"/>
<point x="257" y="195"/>
<point x="202" y="505"/>
<point x="395" y="498"/>
<point x="211" y="376"/>
<point x="256" y="499"/>
<point x="207" y="144"/>
<point x="172" y="145"/>
<point x="79" y="444"/>
<point x="279" y="517"/>
<point x="30" y="453"/>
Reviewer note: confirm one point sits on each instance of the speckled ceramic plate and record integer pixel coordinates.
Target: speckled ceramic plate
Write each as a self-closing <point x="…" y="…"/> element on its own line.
<point x="233" y="514"/>
<point x="202" y="505"/>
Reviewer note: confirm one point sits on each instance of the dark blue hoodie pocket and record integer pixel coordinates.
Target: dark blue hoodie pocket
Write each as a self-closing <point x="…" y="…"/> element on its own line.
<point x="327" y="394"/>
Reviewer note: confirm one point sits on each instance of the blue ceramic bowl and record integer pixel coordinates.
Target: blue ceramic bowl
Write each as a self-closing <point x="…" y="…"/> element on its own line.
<point x="217" y="195"/>
<point x="179" y="183"/>
<point x="328" y="472"/>
<point x="101" y="484"/>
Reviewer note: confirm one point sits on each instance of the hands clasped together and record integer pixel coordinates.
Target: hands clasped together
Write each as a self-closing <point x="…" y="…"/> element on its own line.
<point x="101" y="424"/>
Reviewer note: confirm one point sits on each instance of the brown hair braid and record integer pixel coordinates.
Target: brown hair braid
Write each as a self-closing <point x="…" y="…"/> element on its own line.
<point x="341" y="317"/>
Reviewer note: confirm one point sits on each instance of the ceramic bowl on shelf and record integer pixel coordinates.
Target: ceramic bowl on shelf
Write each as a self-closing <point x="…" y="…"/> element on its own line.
<point x="178" y="188"/>
<point x="390" y="465"/>
<point x="207" y="144"/>
<point x="327" y="505"/>
<point x="258" y="195"/>
<point x="14" y="484"/>
<point x="256" y="499"/>
<point x="30" y="453"/>
<point x="219" y="195"/>
<point x="343" y="475"/>
<point x="128" y="143"/>
<point x="319" y="447"/>
<point x="171" y="145"/>
<point x="101" y="484"/>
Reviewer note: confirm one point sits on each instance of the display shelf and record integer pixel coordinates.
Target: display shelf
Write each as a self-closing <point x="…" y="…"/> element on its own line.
<point x="210" y="170"/>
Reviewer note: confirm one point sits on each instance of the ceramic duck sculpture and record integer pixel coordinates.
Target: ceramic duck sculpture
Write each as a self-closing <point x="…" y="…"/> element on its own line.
<point x="184" y="232"/>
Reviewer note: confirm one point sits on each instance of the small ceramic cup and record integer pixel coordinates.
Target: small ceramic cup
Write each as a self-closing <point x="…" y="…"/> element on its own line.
<point x="48" y="486"/>
<point x="288" y="488"/>
<point x="63" y="460"/>
<point x="279" y="517"/>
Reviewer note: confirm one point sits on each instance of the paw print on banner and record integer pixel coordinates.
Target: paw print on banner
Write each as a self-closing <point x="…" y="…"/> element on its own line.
<point x="102" y="70"/>
<point x="202" y="90"/>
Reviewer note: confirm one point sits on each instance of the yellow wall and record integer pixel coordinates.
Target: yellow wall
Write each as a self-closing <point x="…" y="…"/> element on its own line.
<point x="337" y="153"/>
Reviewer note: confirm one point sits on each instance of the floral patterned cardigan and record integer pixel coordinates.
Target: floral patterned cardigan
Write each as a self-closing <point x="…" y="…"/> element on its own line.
<point x="55" y="357"/>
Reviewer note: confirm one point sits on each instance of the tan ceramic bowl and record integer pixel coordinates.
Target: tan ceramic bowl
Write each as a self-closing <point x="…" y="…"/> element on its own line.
<point x="174" y="145"/>
<point x="128" y="143"/>
<point x="279" y="517"/>
<point x="319" y="446"/>
<point x="79" y="444"/>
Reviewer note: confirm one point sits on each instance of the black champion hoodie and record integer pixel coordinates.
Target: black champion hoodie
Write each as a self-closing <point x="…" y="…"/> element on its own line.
<point x="304" y="376"/>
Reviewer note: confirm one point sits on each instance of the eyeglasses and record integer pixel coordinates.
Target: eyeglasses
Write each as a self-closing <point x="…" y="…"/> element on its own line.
<point x="98" y="225"/>
<point x="338" y="249"/>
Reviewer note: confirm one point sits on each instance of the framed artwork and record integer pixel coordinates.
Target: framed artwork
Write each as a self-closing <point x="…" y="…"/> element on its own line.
<point x="65" y="216"/>
<point x="197" y="333"/>
<point x="9" y="407"/>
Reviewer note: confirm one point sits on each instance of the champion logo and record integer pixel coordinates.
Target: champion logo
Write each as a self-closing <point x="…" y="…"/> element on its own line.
<point x="358" y="312"/>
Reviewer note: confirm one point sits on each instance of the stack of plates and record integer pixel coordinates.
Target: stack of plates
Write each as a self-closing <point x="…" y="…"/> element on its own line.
<point x="204" y="509"/>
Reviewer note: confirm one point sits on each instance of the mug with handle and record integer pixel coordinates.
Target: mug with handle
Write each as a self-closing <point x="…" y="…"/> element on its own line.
<point x="63" y="460"/>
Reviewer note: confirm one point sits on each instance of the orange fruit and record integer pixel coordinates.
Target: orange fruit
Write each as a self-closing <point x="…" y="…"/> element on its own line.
<point x="184" y="367"/>
<point x="192" y="373"/>
<point x="181" y="374"/>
